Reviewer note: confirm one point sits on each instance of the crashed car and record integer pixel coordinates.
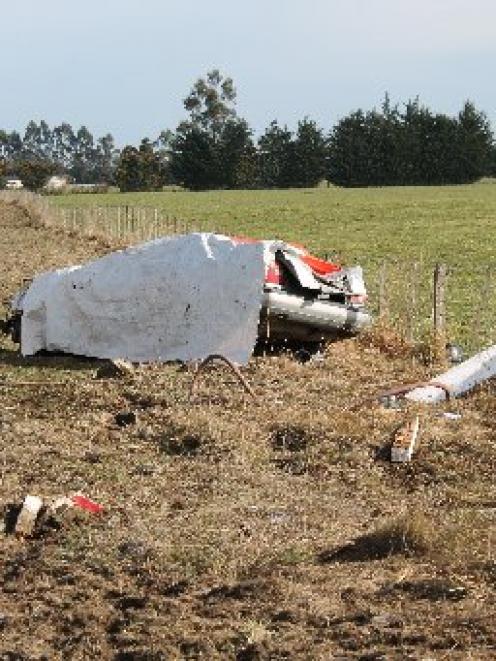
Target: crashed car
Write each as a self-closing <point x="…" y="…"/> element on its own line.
<point x="187" y="297"/>
<point x="309" y="299"/>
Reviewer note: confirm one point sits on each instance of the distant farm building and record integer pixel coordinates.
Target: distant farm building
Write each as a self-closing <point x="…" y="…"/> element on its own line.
<point x="56" y="183"/>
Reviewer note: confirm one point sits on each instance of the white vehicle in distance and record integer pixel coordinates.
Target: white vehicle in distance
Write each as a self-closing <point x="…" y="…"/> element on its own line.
<point x="14" y="184"/>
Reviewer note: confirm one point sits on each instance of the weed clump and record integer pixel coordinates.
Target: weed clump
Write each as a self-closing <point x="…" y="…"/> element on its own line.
<point x="408" y="534"/>
<point x="388" y="340"/>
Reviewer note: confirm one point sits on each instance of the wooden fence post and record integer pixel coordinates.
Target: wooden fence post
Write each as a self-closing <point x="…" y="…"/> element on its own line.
<point x="413" y="301"/>
<point x="440" y="273"/>
<point x="383" y="302"/>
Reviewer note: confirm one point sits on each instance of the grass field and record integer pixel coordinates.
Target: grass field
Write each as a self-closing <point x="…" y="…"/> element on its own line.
<point x="452" y="223"/>
<point x="411" y="228"/>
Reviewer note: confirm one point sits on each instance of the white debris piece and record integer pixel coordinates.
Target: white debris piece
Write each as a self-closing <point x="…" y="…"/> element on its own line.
<point x="26" y="520"/>
<point x="448" y="415"/>
<point x="175" y="298"/>
<point x="405" y="440"/>
<point x="459" y="379"/>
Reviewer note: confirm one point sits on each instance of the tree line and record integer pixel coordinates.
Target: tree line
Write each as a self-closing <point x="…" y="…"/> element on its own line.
<point x="214" y="148"/>
<point x="43" y="151"/>
<point x="411" y="147"/>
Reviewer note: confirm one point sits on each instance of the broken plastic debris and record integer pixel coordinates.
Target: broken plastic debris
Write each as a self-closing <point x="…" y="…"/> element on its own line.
<point x="26" y="520"/>
<point x="459" y="379"/>
<point x="58" y="503"/>
<point x="86" y="504"/>
<point x="451" y="416"/>
<point x="78" y="500"/>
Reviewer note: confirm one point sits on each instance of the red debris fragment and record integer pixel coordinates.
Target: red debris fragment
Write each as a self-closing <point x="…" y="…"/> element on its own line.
<point x="87" y="504"/>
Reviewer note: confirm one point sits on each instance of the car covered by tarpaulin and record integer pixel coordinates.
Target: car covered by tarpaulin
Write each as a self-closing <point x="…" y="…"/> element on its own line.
<point x="186" y="297"/>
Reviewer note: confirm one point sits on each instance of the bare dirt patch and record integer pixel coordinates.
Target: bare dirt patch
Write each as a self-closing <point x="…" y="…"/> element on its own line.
<point x="225" y="520"/>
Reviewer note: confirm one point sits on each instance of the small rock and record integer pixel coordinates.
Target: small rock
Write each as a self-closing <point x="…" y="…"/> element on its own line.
<point x="454" y="353"/>
<point x="278" y="517"/>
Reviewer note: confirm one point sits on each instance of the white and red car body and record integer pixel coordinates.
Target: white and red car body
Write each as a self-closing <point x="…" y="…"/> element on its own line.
<point x="304" y="299"/>
<point x="307" y="298"/>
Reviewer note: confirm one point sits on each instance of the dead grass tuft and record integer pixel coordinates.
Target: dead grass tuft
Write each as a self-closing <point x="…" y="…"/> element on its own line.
<point x="432" y="350"/>
<point x="409" y="534"/>
<point x="389" y="340"/>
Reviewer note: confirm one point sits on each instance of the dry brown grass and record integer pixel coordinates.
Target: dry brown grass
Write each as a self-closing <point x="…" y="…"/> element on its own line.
<point x="388" y="340"/>
<point x="220" y="512"/>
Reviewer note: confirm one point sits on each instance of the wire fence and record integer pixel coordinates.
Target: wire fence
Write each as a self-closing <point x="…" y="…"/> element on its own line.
<point x="457" y="300"/>
<point x="127" y="222"/>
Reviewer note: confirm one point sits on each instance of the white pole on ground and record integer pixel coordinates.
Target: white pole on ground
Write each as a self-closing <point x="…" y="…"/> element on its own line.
<point x="458" y="379"/>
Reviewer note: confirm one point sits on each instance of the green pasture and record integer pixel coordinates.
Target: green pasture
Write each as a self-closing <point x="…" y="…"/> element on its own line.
<point x="453" y="223"/>
<point x="409" y="228"/>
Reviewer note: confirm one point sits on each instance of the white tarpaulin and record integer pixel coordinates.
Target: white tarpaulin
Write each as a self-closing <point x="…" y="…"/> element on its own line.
<point x="179" y="298"/>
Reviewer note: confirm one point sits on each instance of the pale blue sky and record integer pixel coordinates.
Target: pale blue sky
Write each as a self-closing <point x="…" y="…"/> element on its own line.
<point x="124" y="66"/>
